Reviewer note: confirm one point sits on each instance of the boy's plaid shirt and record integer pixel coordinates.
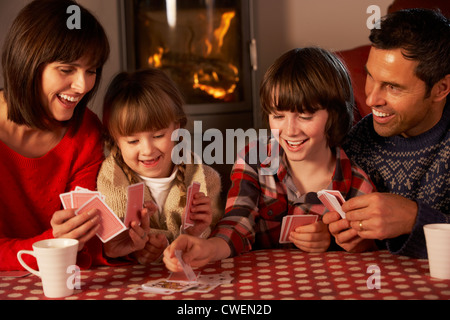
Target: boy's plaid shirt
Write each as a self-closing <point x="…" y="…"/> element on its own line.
<point x="257" y="203"/>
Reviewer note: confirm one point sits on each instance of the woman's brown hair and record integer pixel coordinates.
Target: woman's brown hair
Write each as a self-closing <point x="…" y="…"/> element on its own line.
<point x="38" y="36"/>
<point x="306" y="80"/>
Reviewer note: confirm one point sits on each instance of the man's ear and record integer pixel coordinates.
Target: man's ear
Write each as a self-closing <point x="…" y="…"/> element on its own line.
<point x="441" y="89"/>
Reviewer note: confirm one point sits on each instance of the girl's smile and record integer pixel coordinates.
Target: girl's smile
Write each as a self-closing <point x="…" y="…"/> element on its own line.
<point x="149" y="153"/>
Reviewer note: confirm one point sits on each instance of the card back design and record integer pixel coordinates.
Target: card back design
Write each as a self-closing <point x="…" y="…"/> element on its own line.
<point x="110" y="224"/>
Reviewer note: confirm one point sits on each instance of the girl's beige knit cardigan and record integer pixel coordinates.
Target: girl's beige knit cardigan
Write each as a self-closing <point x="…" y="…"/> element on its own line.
<point x="112" y="183"/>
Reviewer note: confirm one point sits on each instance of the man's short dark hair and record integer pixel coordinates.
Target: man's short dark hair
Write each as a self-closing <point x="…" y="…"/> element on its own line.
<point x="423" y="35"/>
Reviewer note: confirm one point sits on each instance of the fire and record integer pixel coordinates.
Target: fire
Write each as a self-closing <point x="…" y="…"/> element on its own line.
<point x="155" y="60"/>
<point x="224" y="27"/>
<point x="216" y="92"/>
<point x="204" y="80"/>
<point x="216" y="77"/>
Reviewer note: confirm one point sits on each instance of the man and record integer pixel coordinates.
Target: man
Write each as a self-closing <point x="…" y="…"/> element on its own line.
<point x="404" y="145"/>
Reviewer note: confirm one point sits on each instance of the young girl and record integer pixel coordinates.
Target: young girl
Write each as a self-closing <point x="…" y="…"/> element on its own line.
<point x="141" y="111"/>
<point x="307" y="96"/>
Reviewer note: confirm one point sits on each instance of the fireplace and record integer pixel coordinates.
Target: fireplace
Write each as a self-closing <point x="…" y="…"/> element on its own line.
<point x="206" y="47"/>
<point x="203" y="45"/>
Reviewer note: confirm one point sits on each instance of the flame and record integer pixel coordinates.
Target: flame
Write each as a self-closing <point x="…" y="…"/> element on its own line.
<point x="217" y="92"/>
<point x="200" y="78"/>
<point x="155" y="60"/>
<point x="224" y="27"/>
<point x="212" y="82"/>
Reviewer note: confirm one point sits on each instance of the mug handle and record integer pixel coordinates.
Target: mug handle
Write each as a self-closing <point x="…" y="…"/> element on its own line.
<point x="19" y="256"/>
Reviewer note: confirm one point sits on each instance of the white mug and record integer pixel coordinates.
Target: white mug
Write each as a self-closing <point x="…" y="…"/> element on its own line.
<point x="54" y="259"/>
<point x="438" y="247"/>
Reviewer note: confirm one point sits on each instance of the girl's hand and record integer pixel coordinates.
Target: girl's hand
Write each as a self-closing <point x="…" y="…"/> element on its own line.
<point x="133" y="240"/>
<point x="81" y="227"/>
<point x="314" y="237"/>
<point x="153" y="249"/>
<point x="201" y="214"/>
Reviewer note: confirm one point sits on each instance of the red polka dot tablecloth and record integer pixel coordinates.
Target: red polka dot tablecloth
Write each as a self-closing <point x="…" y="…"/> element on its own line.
<point x="264" y="275"/>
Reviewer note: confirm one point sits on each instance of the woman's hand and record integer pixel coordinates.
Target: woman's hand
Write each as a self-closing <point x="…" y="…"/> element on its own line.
<point x="82" y="227"/>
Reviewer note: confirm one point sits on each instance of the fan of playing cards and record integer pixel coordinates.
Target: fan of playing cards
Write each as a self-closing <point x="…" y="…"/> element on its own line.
<point x="186" y="281"/>
<point x="331" y="199"/>
<point x="110" y="225"/>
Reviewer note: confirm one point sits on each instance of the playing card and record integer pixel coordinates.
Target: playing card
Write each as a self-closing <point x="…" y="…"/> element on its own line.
<point x="135" y="203"/>
<point x="332" y="200"/>
<point x="221" y="278"/>
<point x="79" y="198"/>
<point x="192" y="190"/>
<point x="204" y="287"/>
<point x="164" y="286"/>
<point x="190" y="275"/>
<point x="66" y="200"/>
<point x="291" y="222"/>
<point x="110" y="224"/>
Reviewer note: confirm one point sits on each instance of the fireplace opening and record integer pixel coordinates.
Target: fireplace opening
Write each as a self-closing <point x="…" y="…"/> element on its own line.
<point x="200" y="44"/>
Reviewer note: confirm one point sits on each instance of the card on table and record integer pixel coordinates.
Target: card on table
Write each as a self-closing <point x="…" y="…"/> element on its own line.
<point x="291" y="222"/>
<point x="163" y="286"/>
<point x="177" y="282"/>
<point x="135" y="203"/>
<point x="191" y="191"/>
<point x="110" y="224"/>
<point x="332" y="200"/>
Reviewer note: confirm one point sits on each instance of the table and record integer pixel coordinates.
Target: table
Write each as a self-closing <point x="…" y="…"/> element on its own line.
<point x="264" y="275"/>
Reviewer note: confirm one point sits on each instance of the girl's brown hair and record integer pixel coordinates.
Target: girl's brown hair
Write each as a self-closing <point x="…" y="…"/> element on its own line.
<point x="310" y="79"/>
<point x="145" y="100"/>
<point x="38" y="36"/>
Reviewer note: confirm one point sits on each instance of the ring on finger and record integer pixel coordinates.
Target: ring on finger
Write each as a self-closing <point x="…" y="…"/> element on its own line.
<point x="361" y="228"/>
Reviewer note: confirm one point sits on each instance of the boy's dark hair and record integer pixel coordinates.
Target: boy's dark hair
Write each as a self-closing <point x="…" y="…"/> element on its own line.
<point x="38" y="36"/>
<point x="306" y="80"/>
<point x="423" y="35"/>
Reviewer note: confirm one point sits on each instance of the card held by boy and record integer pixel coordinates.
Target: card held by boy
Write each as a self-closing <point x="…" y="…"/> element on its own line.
<point x="292" y="222"/>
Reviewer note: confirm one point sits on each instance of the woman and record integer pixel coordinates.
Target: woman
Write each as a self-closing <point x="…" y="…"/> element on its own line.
<point x="50" y="142"/>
